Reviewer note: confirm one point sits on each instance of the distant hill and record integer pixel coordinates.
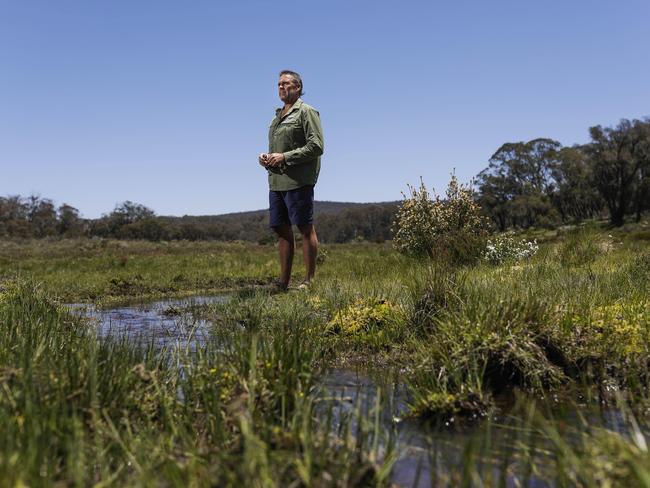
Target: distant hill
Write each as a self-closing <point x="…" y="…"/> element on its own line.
<point x="323" y="207"/>
<point x="336" y="222"/>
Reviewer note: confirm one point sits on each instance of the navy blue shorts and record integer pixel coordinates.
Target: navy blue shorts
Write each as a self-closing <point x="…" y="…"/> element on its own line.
<point x="292" y="207"/>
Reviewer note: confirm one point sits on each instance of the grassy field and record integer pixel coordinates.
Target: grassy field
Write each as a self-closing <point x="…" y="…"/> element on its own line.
<point x="572" y="322"/>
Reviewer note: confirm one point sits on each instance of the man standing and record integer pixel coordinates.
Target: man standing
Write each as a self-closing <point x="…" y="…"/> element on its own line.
<point x="293" y="164"/>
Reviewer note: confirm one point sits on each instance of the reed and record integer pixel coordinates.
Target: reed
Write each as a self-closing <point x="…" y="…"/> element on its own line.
<point x="247" y="405"/>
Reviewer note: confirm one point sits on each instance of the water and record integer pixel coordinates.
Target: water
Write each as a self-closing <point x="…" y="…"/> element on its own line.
<point x="165" y="323"/>
<point x="427" y="455"/>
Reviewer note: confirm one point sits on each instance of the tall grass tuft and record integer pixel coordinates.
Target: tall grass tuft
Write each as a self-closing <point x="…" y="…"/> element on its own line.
<point x="79" y="409"/>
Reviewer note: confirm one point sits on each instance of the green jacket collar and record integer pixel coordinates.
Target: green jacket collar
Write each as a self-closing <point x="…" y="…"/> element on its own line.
<point x="295" y="106"/>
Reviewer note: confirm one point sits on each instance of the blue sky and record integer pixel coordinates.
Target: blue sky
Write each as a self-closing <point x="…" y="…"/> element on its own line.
<point x="168" y="103"/>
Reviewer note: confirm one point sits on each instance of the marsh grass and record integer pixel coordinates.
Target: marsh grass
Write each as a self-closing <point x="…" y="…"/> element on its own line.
<point x="242" y="407"/>
<point x="581" y="246"/>
<point x="82" y="409"/>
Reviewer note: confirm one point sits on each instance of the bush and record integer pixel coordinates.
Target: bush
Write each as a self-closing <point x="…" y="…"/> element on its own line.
<point x="505" y="247"/>
<point x="452" y="229"/>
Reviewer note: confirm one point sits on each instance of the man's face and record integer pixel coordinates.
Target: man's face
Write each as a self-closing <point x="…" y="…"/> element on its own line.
<point x="288" y="89"/>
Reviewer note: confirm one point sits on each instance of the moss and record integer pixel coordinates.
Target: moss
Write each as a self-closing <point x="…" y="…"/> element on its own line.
<point x="363" y="316"/>
<point x="615" y="331"/>
<point x="441" y="405"/>
<point x="7" y="290"/>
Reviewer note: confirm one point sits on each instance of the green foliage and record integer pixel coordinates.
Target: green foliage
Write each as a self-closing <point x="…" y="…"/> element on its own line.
<point x="573" y="194"/>
<point x="621" y="166"/>
<point x="77" y="409"/>
<point x="539" y="183"/>
<point x="639" y="269"/>
<point x="433" y="291"/>
<point x="363" y="316"/>
<point x="442" y="406"/>
<point x="452" y="229"/>
<point x="36" y="217"/>
<point x="579" y="247"/>
<point x="515" y="188"/>
<point x="336" y="222"/>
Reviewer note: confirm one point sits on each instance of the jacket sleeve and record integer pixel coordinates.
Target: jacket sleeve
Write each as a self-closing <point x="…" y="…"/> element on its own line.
<point x="314" y="137"/>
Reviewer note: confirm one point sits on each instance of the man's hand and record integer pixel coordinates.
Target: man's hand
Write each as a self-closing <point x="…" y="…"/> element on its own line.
<point x="263" y="159"/>
<point x="275" y="160"/>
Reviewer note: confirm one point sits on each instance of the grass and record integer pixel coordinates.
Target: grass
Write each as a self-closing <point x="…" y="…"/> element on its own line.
<point x="242" y="408"/>
<point x="86" y="410"/>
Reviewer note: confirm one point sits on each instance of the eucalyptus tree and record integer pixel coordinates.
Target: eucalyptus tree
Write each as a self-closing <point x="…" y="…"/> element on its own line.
<point x="620" y="159"/>
<point x="515" y="188"/>
<point x="575" y="196"/>
<point x="70" y="223"/>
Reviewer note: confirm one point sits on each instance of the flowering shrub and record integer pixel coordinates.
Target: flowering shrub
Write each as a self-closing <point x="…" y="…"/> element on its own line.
<point x="452" y="227"/>
<point x="505" y="247"/>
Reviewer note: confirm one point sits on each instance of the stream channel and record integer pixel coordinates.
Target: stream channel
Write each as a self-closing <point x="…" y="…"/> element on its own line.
<point x="427" y="455"/>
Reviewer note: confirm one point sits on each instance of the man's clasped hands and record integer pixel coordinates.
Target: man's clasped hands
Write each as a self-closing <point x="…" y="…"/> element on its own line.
<point x="273" y="160"/>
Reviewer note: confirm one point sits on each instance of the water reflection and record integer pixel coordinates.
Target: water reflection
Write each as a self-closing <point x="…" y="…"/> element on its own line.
<point x="500" y="448"/>
<point x="162" y="323"/>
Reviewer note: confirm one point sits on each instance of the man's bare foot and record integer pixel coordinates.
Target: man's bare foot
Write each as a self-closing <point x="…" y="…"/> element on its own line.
<point x="279" y="287"/>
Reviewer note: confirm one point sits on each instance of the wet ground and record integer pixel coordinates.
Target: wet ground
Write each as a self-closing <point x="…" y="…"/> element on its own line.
<point x="164" y="323"/>
<point x="427" y="455"/>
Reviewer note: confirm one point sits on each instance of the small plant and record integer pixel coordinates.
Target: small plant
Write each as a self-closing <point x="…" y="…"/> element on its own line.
<point x="451" y="228"/>
<point x="505" y="247"/>
<point x="364" y="315"/>
<point x="443" y="405"/>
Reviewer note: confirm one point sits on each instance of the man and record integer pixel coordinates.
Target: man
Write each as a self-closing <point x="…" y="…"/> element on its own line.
<point x="293" y="164"/>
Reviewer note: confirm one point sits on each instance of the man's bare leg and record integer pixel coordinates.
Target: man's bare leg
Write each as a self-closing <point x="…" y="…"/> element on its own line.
<point x="309" y="250"/>
<point x="286" y="245"/>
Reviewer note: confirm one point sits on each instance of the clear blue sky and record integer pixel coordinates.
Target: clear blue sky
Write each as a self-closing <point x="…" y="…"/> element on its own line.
<point x="168" y="103"/>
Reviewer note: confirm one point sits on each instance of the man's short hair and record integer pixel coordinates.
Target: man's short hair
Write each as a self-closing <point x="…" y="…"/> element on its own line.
<point x="295" y="76"/>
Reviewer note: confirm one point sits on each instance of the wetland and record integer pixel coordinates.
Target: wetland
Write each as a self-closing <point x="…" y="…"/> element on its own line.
<point x="136" y="363"/>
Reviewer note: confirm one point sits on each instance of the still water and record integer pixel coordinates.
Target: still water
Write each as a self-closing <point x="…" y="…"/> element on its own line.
<point x="425" y="454"/>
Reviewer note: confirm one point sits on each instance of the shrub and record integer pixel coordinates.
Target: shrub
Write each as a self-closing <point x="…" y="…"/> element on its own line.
<point x="452" y="228"/>
<point x="505" y="247"/>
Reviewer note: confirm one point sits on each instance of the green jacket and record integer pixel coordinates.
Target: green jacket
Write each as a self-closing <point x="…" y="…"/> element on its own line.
<point x="299" y="136"/>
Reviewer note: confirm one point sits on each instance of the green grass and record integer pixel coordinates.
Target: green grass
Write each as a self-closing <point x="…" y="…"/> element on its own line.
<point x="85" y="410"/>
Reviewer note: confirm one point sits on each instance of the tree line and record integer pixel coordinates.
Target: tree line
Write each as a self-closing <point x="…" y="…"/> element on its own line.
<point x="38" y="217"/>
<point x="541" y="183"/>
<point x="536" y="183"/>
